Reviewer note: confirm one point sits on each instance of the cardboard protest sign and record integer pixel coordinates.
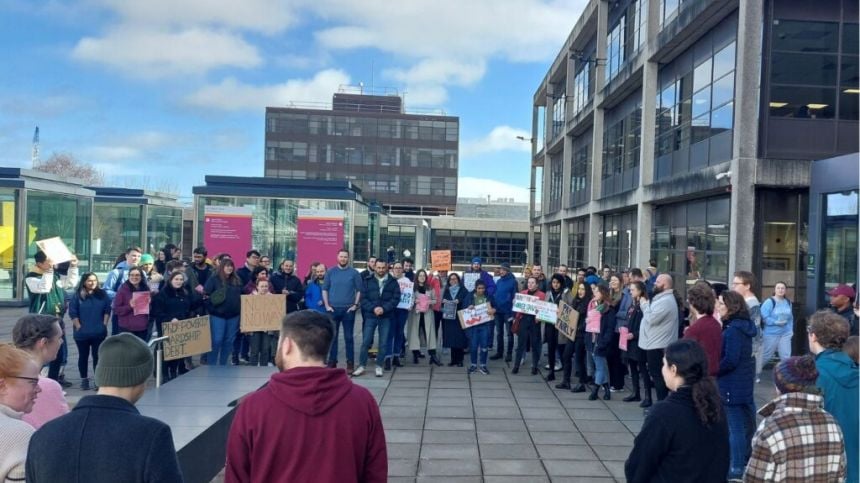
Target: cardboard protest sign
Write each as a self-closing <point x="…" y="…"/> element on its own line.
<point x="568" y="319"/>
<point x="55" y="249"/>
<point x="449" y="309"/>
<point x="140" y="302"/>
<point x="262" y="312"/>
<point x="440" y="260"/>
<point x="546" y="312"/>
<point x="622" y="338"/>
<point x="525" y="303"/>
<point x="475" y="316"/>
<point x="406" y="292"/>
<point x="187" y="338"/>
<point x="469" y="280"/>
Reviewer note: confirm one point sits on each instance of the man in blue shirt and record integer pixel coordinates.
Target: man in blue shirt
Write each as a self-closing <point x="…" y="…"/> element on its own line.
<point x="341" y="294"/>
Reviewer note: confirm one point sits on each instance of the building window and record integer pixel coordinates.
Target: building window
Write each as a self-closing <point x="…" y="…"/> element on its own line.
<point x="556" y="181"/>
<point x="621" y="141"/>
<point x="553" y="252"/>
<point x="492" y="247"/>
<point x="840" y="238"/>
<point x="536" y="258"/>
<point x="582" y="87"/>
<point x="807" y="70"/>
<point x="558" y="113"/>
<point x="615" y="55"/>
<point x="579" y="175"/>
<point x="625" y="37"/>
<point x="577" y="242"/>
<point x="618" y="239"/>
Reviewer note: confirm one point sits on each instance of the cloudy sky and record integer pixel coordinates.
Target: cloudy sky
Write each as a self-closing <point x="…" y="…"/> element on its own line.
<point x="163" y="92"/>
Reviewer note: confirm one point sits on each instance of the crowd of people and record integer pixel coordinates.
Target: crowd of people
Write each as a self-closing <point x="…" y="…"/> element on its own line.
<point x="692" y="362"/>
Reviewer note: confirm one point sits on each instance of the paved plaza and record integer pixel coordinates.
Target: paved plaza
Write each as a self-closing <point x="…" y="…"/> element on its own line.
<point x="444" y="425"/>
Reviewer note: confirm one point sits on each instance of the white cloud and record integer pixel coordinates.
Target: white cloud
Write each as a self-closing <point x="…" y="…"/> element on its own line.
<point x="232" y="95"/>
<point x="147" y="53"/>
<point x="482" y="187"/>
<point x="501" y="138"/>
<point x="103" y="155"/>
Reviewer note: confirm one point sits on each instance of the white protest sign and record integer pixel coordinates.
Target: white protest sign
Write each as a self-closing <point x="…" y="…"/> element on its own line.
<point x="406" y="293"/>
<point x="475" y="316"/>
<point x="525" y="303"/>
<point x="469" y="280"/>
<point x="55" y="249"/>
<point x="547" y="312"/>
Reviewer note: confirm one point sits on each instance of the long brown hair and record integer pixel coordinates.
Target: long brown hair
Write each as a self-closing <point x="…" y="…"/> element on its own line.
<point x="232" y="278"/>
<point x="692" y="364"/>
<point x="736" y="306"/>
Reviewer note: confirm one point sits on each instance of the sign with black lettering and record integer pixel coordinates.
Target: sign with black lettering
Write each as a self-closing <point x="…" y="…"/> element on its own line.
<point x="187" y="338"/>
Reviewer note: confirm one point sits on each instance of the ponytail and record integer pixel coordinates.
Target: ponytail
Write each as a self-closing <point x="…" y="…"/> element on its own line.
<point x="692" y="364"/>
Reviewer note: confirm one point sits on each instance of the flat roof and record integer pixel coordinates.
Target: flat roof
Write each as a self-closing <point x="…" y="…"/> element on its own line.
<point x="279" y="188"/>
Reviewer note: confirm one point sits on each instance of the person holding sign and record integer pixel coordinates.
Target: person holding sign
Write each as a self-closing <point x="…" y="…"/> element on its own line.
<point x="224" y="291"/>
<point x="479" y="335"/>
<point x="528" y="330"/>
<point x="262" y="342"/>
<point x="422" y="323"/>
<point x="397" y="336"/>
<point x="133" y="311"/>
<point x="636" y="356"/>
<point x="379" y="298"/>
<point x="550" y="334"/>
<point x="600" y="323"/>
<point x="455" y="298"/>
<point x="174" y="302"/>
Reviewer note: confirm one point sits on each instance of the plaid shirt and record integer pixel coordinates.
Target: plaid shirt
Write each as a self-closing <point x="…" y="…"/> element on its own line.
<point x="797" y="441"/>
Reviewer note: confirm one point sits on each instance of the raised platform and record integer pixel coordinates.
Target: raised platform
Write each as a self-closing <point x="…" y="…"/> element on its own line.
<point x="199" y="407"/>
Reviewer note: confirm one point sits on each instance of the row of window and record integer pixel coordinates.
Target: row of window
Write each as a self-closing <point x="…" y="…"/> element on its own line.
<point x="582" y="87"/>
<point x="579" y="175"/>
<point x="577" y="243"/>
<point x="621" y="142"/>
<point x="492" y="246"/>
<point x="625" y="37"/>
<point x="618" y="239"/>
<point x="368" y="155"/>
<point x="553" y="245"/>
<point x="556" y="182"/>
<point x="333" y="125"/>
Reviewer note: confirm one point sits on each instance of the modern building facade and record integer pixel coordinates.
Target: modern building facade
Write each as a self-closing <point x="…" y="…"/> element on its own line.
<point x="685" y="131"/>
<point x="406" y="162"/>
<point x="500" y="208"/>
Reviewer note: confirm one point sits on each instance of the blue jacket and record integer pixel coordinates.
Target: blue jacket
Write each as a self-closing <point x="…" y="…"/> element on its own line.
<point x="623" y="308"/>
<point x="837" y="379"/>
<point x="91" y="312"/>
<point x="372" y="297"/>
<point x="313" y="297"/>
<point x="488" y="282"/>
<point x="506" y="289"/>
<point x="736" y="376"/>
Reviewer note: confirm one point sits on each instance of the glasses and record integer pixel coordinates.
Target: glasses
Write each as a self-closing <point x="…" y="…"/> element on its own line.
<point x="34" y="381"/>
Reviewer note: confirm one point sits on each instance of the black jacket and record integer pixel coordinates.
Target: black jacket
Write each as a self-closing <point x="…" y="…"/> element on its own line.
<point x="281" y="281"/>
<point x="634" y="324"/>
<point x="372" y="298"/>
<point x="103" y="439"/>
<point x="675" y="447"/>
<point x="171" y="304"/>
<point x="232" y="304"/>
<point x="607" y="328"/>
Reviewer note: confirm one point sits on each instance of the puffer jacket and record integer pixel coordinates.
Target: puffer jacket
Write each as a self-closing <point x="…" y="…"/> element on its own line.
<point x="736" y="377"/>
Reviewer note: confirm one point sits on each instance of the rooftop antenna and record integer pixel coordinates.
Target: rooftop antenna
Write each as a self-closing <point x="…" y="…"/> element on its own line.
<point x="35" y="156"/>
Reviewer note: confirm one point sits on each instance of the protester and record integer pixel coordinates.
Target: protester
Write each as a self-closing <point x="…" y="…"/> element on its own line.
<point x="200" y="271"/>
<point x="266" y="262"/>
<point x="659" y="328"/>
<point x="175" y="302"/>
<point x="123" y="306"/>
<point x="261" y="353"/>
<point x="621" y="300"/>
<point x="89" y="309"/>
<point x="537" y="273"/>
<point x="285" y="281"/>
<point x="224" y="292"/>
<point x="39" y="336"/>
<point x="342" y="289"/>
<point x="562" y="270"/>
<point x="573" y="354"/>
<point x="778" y="325"/>
<point x="705" y="329"/>
<point x="479" y="335"/>
<point x="314" y="287"/>
<point x="105" y="438"/>
<point x="116" y="277"/>
<point x="550" y="334"/>
<point x="397" y="332"/>
<point x="837" y="379"/>
<point x="841" y="299"/>
<point x="600" y="324"/>
<point x="798" y="440"/>
<point x="635" y="356"/>
<point x="241" y="341"/>
<point x="422" y="324"/>
<point x="736" y="378"/>
<point x="307" y="415"/>
<point x="369" y="269"/>
<point x="506" y="290"/>
<point x="19" y="386"/>
<point x="742" y="283"/>
<point x="408" y="269"/>
<point x="153" y="278"/>
<point x="379" y="297"/>
<point x="438" y="282"/>
<point x="528" y="330"/>
<point x="685" y="437"/>
<point x="456" y="298"/>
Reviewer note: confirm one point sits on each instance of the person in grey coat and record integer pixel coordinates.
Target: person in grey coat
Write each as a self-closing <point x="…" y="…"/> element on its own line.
<point x="658" y="329"/>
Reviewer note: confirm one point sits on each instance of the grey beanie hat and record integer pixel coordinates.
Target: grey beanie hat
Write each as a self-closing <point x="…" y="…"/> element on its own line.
<point x="124" y="361"/>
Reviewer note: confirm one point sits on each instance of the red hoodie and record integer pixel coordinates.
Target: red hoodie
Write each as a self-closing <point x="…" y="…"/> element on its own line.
<point x="308" y="424"/>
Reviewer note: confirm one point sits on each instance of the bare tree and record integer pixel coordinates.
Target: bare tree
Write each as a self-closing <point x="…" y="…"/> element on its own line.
<point x="67" y="165"/>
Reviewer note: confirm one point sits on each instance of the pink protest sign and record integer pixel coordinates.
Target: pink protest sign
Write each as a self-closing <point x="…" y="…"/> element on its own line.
<point x="227" y="229"/>
<point x="140" y="302"/>
<point x="319" y="237"/>
<point x="422" y="302"/>
<point x="622" y="338"/>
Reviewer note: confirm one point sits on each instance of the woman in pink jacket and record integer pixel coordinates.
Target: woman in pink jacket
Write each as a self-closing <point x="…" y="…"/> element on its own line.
<point x="133" y="314"/>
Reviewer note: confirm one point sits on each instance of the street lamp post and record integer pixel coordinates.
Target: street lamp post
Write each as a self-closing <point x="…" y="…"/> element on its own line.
<point x="532" y="195"/>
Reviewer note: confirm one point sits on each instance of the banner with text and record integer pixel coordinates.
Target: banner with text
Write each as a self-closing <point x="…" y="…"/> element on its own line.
<point x="546" y="312"/>
<point x="319" y="237"/>
<point x="525" y="303"/>
<point x="187" y="338"/>
<point x="475" y="316"/>
<point x="440" y="260"/>
<point x="228" y="229"/>
<point x="406" y="292"/>
<point x="469" y="280"/>
<point x="262" y="312"/>
<point x="568" y="320"/>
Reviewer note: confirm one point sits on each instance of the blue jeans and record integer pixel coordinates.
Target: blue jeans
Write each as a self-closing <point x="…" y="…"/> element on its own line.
<point x="601" y="369"/>
<point x="342" y="316"/>
<point x="480" y="337"/>
<point x="371" y="324"/>
<point x="223" y="334"/>
<point x="742" y="425"/>
<point x="396" y="334"/>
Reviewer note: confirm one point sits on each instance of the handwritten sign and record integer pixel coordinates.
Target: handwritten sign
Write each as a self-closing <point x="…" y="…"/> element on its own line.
<point x="568" y="319"/>
<point x="55" y="249"/>
<point x="449" y="309"/>
<point x="262" y="312"/>
<point x="440" y="260"/>
<point x="188" y="337"/>
<point x="422" y="302"/>
<point x="622" y="338"/>
<point x="475" y="316"/>
<point x="546" y="312"/>
<point x="469" y="280"/>
<point x="406" y="293"/>
<point x="525" y="303"/>
<point x="592" y="320"/>
<point x="140" y="302"/>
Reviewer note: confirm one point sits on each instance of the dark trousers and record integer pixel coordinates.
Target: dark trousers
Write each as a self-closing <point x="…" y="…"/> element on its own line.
<point x="457" y="356"/>
<point x="438" y="322"/>
<point x="141" y="334"/>
<point x="261" y="347"/>
<point x="62" y="356"/>
<point x="639" y="371"/>
<point x="529" y="334"/>
<point x="617" y="368"/>
<point x="87" y="346"/>
<point x="654" y="358"/>
<point x="567" y="351"/>
<point x="241" y="346"/>
<point x="580" y="357"/>
<point x="551" y="336"/>
<point x="503" y="327"/>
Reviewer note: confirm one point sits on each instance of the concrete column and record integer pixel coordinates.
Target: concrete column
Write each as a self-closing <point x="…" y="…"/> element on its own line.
<point x="562" y="252"/>
<point x="595" y="223"/>
<point x="745" y="136"/>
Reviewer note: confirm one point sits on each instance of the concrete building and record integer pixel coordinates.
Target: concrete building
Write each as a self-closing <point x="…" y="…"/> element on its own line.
<point x="407" y="162"/>
<point x="685" y="131"/>
<point x="501" y="208"/>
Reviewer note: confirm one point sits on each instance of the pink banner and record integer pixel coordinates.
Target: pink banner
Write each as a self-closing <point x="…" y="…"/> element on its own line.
<point x="319" y="237"/>
<point x="227" y="229"/>
<point x="622" y="338"/>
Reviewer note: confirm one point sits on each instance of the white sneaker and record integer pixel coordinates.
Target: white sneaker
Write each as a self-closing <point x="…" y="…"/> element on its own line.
<point x="378" y="372"/>
<point x="546" y="367"/>
<point x="358" y="371"/>
<point x="558" y="366"/>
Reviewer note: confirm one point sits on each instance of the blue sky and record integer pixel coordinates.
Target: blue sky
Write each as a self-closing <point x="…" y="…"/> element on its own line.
<point x="160" y="93"/>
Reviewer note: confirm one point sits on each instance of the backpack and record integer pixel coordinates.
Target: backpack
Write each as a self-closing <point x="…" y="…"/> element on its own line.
<point x="650" y="281"/>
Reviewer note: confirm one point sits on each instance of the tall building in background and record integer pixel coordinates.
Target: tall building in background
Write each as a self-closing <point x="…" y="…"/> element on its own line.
<point x="407" y="162"/>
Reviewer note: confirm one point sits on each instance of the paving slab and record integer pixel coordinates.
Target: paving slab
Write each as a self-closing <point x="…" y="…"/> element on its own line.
<point x="512" y="467"/>
<point x="441" y="467"/>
